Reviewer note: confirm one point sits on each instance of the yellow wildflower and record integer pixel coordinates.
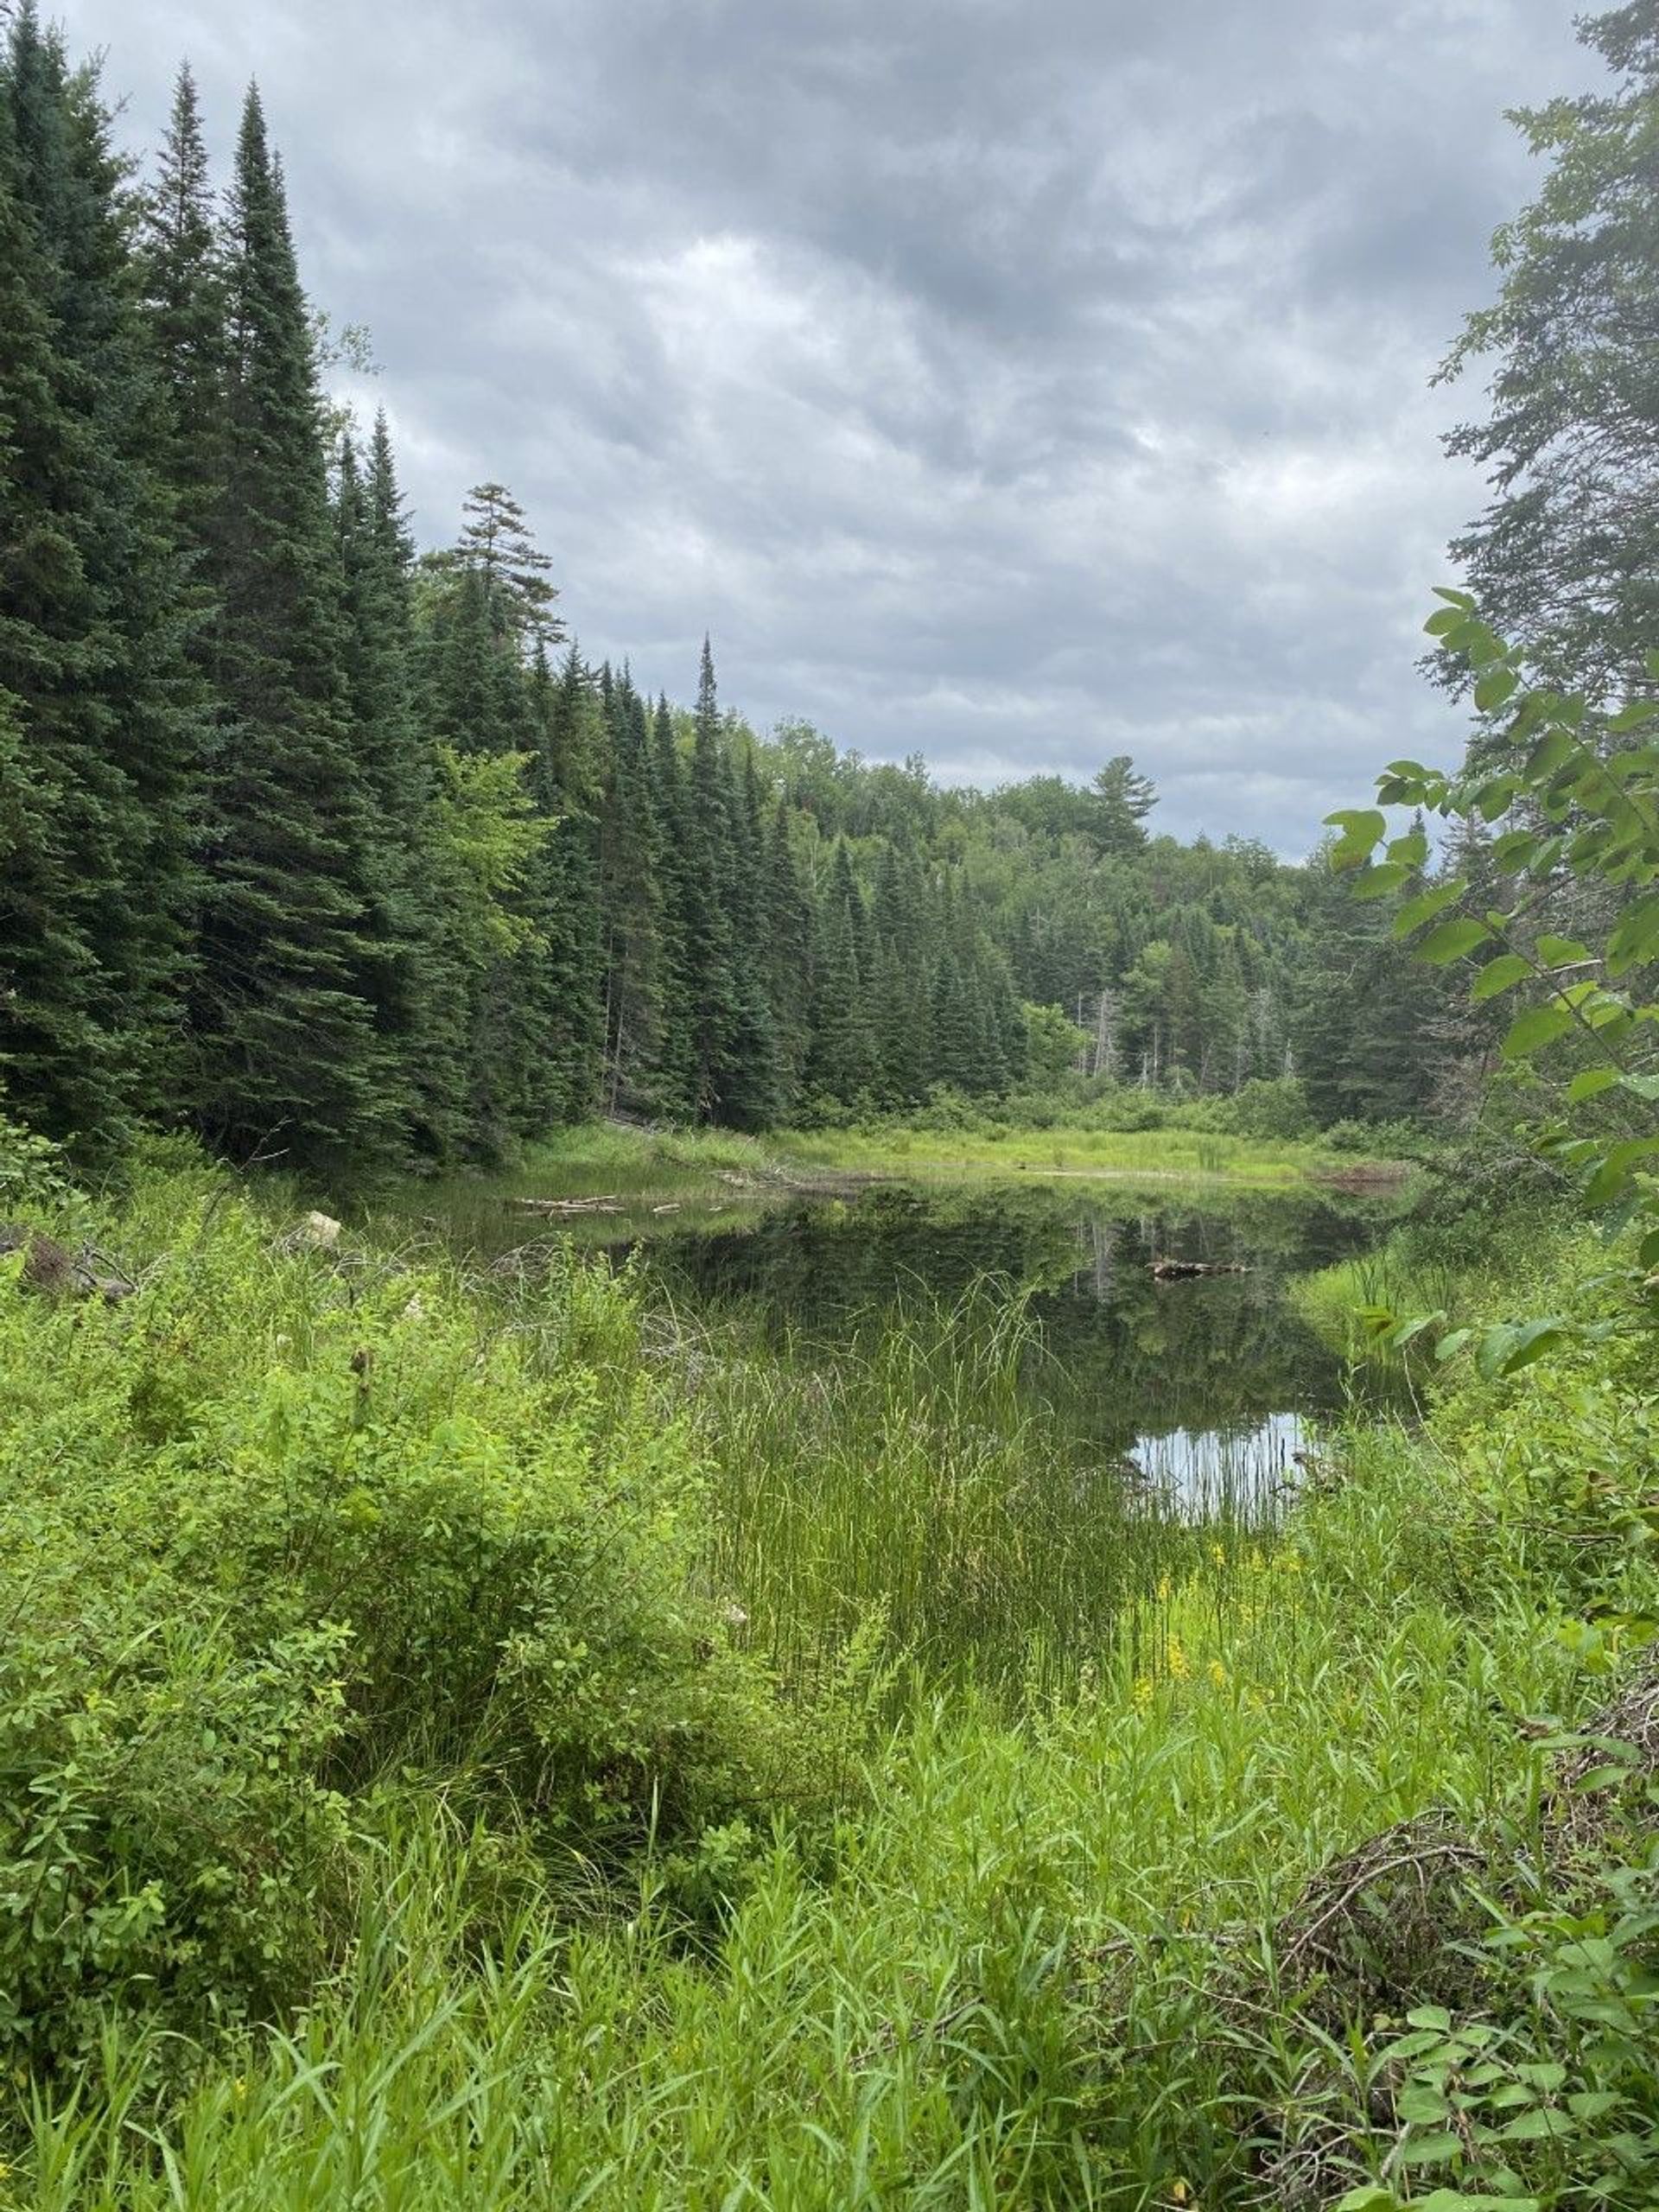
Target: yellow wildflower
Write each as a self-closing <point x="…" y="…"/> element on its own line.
<point x="1142" y="1693"/>
<point x="1175" y="1659"/>
<point x="1218" y="1674"/>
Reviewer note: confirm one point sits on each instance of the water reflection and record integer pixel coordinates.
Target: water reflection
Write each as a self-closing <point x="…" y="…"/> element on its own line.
<point x="1202" y="1387"/>
<point x="1210" y="1474"/>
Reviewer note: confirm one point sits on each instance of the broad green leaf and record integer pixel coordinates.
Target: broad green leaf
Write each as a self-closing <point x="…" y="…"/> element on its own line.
<point x="1550" y="755"/>
<point x="1636" y="938"/>
<point x="1591" y="1083"/>
<point x="1496" y="797"/>
<point x="1431" y="2150"/>
<point x="1426" y="905"/>
<point x="1516" y="848"/>
<point x="1538" y="1026"/>
<point x="1502" y="974"/>
<point x="1358" y="822"/>
<point x="1506" y="1350"/>
<point x="1497" y="685"/>
<point x="1451" y="940"/>
<point x="1613" y="1174"/>
<point x="1562" y="951"/>
<point x="1411" y="850"/>
<point x="1377" y="882"/>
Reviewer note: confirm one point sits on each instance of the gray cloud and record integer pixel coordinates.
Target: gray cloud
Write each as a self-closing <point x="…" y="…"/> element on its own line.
<point x="1018" y="381"/>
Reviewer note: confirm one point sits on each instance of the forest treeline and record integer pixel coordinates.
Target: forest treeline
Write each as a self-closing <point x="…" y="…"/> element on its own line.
<point x="341" y="852"/>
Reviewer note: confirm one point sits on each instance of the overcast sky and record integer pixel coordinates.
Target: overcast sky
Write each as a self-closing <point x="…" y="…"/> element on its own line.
<point x="1016" y="381"/>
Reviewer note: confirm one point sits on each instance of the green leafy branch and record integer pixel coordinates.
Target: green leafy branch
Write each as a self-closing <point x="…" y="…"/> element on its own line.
<point x="1579" y="792"/>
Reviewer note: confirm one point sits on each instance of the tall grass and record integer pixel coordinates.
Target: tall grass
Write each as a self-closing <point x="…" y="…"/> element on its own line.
<point x="914" y="1476"/>
<point x="994" y="1990"/>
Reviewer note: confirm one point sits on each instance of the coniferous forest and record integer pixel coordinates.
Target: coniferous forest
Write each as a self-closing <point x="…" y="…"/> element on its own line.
<point x="339" y="851"/>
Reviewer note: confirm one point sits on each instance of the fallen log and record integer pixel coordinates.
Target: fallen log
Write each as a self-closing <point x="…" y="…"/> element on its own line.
<point x="1181" y="1270"/>
<point x="607" y="1204"/>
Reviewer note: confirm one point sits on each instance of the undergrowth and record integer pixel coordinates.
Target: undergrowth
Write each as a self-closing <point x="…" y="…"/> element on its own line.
<point x="395" y="1810"/>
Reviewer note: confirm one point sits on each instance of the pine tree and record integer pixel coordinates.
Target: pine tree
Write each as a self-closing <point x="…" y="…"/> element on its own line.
<point x="288" y="1053"/>
<point x="496" y="544"/>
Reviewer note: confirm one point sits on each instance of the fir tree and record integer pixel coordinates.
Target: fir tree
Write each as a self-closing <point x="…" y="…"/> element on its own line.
<point x="96" y="773"/>
<point x="286" y="1036"/>
<point x="705" y="924"/>
<point x="184" y="281"/>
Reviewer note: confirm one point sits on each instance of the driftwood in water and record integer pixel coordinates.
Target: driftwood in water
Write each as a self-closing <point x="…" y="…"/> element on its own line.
<point x="609" y="1204"/>
<point x="1179" y="1270"/>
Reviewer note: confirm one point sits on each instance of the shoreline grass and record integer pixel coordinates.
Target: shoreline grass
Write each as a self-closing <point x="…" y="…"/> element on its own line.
<point x="704" y="1169"/>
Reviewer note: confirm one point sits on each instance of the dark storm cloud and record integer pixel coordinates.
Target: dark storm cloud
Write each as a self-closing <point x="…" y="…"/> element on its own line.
<point x="1019" y="381"/>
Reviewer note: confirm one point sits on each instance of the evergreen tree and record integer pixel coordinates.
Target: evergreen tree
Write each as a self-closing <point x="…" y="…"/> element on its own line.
<point x="404" y="975"/>
<point x="631" y="897"/>
<point x="96" y="772"/>
<point x="706" y="922"/>
<point x="842" y="1064"/>
<point x="561" y="1031"/>
<point x="1566" y="558"/>
<point x="185" y="285"/>
<point x="285" y="1033"/>
<point x="787" y="943"/>
<point x="677" y="1077"/>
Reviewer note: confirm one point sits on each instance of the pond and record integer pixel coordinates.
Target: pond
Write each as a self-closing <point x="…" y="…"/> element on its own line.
<point x="995" y="1417"/>
<point x="1168" y="1342"/>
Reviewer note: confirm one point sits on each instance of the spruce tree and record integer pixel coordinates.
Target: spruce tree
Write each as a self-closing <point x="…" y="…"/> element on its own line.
<point x="405" y="973"/>
<point x="96" y="771"/>
<point x="560" y="1033"/>
<point x="706" y="922"/>
<point x="287" y="1050"/>
<point x="787" y="947"/>
<point x="630" y="898"/>
<point x="676" y="1074"/>
<point x="184" y="281"/>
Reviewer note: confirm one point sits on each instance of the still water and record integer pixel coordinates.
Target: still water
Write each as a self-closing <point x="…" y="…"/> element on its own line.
<point x="1202" y="1387"/>
<point x="989" y="1418"/>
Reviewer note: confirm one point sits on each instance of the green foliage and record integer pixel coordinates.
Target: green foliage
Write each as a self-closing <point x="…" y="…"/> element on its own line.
<point x="1564" y="558"/>
<point x="281" y="1528"/>
<point x="1581" y="815"/>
